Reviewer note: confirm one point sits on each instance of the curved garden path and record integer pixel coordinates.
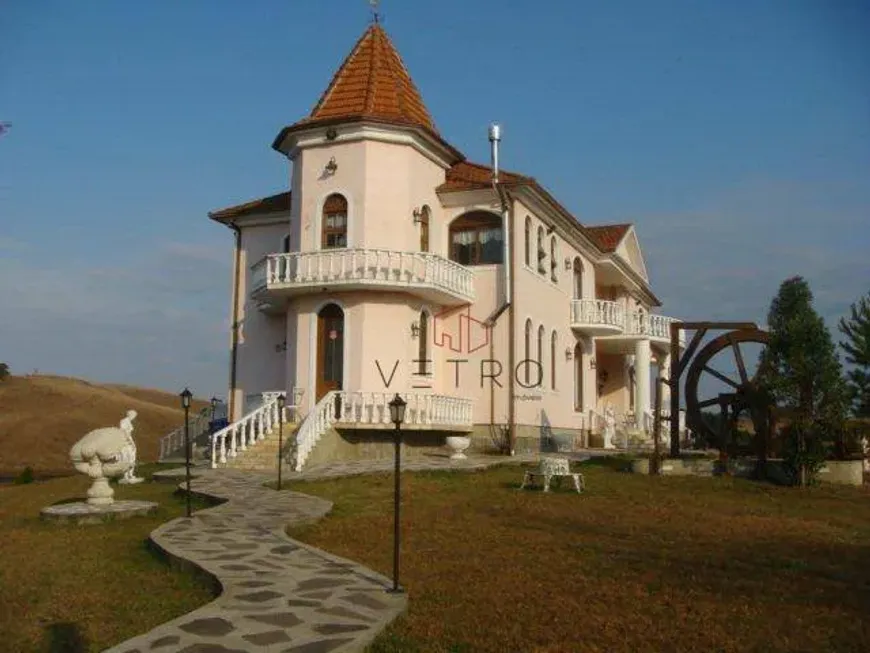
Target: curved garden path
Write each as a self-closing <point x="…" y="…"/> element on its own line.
<point x="278" y="594"/>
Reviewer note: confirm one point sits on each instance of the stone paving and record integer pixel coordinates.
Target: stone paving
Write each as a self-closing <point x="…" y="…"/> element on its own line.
<point x="278" y="594"/>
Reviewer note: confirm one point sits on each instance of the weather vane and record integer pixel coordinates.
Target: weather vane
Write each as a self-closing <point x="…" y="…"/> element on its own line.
<point x="374" y="5"/>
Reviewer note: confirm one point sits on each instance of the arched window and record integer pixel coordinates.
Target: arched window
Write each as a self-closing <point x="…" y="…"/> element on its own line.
<point x="528" y="354"/>
<point x="542" y="253"/>
<point x="334" y="224"/>
<point x="424" y="229"/>
<point x="554" y="342"/>
<point x="528" y="232"/>
<point x="553" y="258"/>
<point x="423" y="362"/>
<point x="285" y="244"/>
<point x="477" y="238"/>
<point x="541" y="355"/>
<point x="578" y="278"/>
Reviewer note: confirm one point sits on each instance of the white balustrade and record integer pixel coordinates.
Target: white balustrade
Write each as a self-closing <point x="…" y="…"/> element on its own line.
<point x="246" y="432"/>
<point x="363" y="266"/>
<point x="361" y="408"/>
<point x="594" y="312"/>
<point x="174" y="440"/>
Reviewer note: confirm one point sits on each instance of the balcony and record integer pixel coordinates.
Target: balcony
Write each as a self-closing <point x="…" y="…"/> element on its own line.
<point x="616" y="330"/>
<point x="428" y="276"/>
<point x="597" y="317"/>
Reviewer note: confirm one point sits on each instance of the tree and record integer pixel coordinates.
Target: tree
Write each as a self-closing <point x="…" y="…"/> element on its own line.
<point x="4" y="371"/>
<point x="857" y="348"/>
<point x="801" y="370"/>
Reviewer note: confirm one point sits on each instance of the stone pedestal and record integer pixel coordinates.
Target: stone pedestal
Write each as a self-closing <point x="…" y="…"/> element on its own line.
<point x="100" y="492"/>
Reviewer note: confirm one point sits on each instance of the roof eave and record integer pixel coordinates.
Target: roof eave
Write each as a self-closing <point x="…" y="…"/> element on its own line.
<point x="454" y="155"/>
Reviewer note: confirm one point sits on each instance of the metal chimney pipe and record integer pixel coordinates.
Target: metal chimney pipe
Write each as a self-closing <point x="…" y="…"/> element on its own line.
<point x="494" y="138"/>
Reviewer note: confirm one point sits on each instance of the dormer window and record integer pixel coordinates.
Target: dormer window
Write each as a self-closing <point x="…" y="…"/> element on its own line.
<point x="334" y="227"/>
<point x="477" y="238"/>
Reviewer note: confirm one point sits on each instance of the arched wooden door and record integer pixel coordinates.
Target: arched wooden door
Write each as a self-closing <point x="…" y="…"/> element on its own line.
<point x="330" y="349"/>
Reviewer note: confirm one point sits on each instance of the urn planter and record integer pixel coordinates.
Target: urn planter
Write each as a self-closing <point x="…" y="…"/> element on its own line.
<point x="457" y="445"/>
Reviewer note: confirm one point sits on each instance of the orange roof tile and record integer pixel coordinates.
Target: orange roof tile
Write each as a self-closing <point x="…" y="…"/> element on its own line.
<point x="608" y="236"/>
<point x="470" y="176"/>
<point x="270" y="204"/>
<point x="372" y="82"/>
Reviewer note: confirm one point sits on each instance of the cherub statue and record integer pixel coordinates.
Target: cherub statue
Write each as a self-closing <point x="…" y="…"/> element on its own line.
<point x="128" y="453"/>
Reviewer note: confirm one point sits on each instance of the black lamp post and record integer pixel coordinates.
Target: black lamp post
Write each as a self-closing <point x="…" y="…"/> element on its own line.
<point x="185" y="403"/>
<point x="397" y="416"/>
<point x="214" y="402"/>
<point x="281" y="400"/>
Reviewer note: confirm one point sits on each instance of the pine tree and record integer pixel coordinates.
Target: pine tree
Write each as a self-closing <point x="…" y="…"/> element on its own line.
<point x="857" y="348"/>
<point x="800" y="368"/>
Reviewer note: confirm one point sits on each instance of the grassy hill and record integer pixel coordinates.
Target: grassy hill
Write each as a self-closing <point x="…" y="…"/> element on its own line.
<point x="42" y="416"/>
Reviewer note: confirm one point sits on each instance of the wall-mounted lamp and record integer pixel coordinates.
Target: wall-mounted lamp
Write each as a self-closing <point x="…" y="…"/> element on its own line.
<point x="569" y="353"/>
<point x="568" y="263"/>
<point x="281" y="347"/>
<point x="592" y="363"/>
<point x="418" y="215"/>
<point x="331" y="167"/>
<point x="415" y="329"/>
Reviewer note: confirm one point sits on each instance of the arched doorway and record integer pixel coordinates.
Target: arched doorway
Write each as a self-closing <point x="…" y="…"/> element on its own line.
<point x="330" y="350"/>
<point x="578" y="377"/>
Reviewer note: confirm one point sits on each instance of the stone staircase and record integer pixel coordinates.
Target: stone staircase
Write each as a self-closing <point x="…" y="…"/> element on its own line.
<point x="263" y="456"/>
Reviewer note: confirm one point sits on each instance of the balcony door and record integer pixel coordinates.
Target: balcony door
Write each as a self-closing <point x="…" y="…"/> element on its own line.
<point x="330" y="350"/>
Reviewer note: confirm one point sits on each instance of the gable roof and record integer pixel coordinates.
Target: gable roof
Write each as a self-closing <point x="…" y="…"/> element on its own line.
<point x="271" y="204"/>
<point x="608" y="236"/>
<point x="372" y="82"/>
<point x="472" y="176"/>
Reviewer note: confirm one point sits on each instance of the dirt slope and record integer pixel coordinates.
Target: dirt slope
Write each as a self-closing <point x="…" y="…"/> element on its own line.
<point x="41" y="417"/>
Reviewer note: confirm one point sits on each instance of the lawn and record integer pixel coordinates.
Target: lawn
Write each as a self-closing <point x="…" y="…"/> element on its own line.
<point x="85" y="588"/>
<point x="636" y="564"/>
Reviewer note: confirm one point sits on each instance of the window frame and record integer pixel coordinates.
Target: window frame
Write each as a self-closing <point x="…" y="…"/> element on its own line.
<point x="476" y="222"/>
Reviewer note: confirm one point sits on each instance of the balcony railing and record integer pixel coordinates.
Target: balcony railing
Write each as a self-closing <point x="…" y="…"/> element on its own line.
<point x="357" y="268"/>
<point x="599" y="315"/>
<point x="603" y="317"/>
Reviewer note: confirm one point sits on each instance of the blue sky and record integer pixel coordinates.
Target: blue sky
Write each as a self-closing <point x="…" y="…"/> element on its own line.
<point x="735" y="135"/>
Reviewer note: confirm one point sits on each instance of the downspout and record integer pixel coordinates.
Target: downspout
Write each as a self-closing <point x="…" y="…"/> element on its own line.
<point x="508" y="299"/>
<point x="234" y="327"/>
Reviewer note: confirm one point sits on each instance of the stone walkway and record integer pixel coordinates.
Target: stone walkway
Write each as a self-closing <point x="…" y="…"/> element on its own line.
<point x="278" y="594"/>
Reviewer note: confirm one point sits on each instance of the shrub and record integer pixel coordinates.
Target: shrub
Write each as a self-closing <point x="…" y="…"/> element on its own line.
<point x="25" y="477"/>
<point x="4" y="371"/>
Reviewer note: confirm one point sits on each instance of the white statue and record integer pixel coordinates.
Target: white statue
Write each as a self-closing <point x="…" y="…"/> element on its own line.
<point x="609" y="427"/>
<point x="129" y="452"/>
<point x="103" y="454"/>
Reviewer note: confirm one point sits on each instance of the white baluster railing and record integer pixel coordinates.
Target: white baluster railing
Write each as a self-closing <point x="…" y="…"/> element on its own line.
<point x="246" y="432"/>
<point x="597" y="312"/>
<point x="377" y="266"/>
<point x="174" y="440"/>
<point x="360" y="408"/>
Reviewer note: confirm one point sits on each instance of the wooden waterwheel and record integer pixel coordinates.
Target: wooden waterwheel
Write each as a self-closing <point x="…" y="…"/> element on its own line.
<point x="745" y="396"/>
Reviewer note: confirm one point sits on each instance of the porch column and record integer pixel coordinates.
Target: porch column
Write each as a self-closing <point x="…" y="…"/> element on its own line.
<point x="641" y="378"/>
<point x="665" y="373"/>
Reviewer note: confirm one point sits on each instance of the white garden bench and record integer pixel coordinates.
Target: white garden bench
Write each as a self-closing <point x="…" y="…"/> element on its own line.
<point x="553" y="468"/>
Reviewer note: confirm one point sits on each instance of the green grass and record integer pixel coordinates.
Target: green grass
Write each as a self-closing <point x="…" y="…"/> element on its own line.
<point x="638" y="563"/>
<point x="85" y="588"/>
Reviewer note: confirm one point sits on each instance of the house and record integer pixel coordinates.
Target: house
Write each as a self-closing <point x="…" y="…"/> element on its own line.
<point x="394" y="265"/>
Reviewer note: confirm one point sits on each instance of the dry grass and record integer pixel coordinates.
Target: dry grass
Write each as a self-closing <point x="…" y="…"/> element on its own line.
<point x="636" y="564"/>
<point x="84" y="588"/>
<point x="41" y="417"/>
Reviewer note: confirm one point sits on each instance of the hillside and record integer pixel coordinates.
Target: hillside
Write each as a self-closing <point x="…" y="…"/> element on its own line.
<point x="42" y="416"/>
